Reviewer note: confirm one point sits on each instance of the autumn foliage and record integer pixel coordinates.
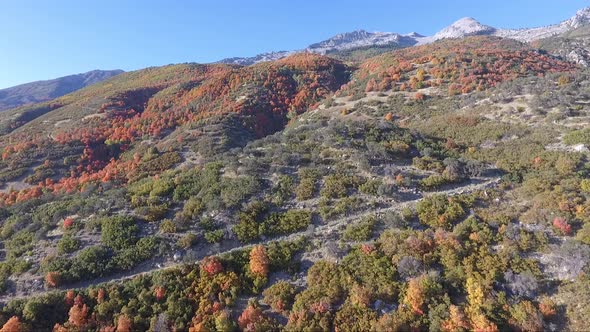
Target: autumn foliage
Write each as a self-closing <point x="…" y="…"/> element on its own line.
<point x="160" y="293"/>
<point x="457" y="320"/>
<point x="78" y="314"/>
<point x="68" y="222"/>
<point x="547" y="308"/>
<point x="562" y="226"/>
<point x="461" y="65"/>
<point x="69" y="298"/>
<point x="262" y="95"/>
<point x="415" y="296"/>
<point x="12" y="325"/>
<point x="259" y="261"/>
<point x="100" y="296"/>
<point x="124" y="324"/>
<point x="249" y="316"/>
<point x="52" y="279"/>
<point x="211" y="265"/>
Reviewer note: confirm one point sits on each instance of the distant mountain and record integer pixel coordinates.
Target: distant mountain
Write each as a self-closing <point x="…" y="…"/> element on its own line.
<point x="469" y="26"/>
<point x="462" y="28"/>
<point x="362" y="38"/>
<point x="270" y="56"/>
<point x="341" y="42"/>
<point x="40" y="91"/>
<point x="581" y="18"/>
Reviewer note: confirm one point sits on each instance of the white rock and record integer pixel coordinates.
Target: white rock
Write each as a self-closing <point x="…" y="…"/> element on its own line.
<point x="580" y="148"/>
<point x="464" y="27"/>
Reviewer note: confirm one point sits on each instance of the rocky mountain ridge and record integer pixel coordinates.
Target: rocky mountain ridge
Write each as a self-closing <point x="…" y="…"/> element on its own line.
<point x="463" y="27"/>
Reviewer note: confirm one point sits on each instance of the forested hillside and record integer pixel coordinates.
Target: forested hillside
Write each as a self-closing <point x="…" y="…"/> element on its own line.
<point x="436" y="187"/>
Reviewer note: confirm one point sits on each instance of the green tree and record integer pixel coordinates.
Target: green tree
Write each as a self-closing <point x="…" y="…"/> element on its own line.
<point x="67" y="244"/>
<point x="439" y="211"/>
<point x="280" y="296"/>
<point x="119" y="232"/>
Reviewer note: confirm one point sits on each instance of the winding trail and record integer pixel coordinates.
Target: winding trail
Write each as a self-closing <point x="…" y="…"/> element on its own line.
<point x="316" y="232"/>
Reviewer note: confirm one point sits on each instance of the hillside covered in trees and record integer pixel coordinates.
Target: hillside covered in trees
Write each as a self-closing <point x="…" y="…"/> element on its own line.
<point x="436" y="187"/>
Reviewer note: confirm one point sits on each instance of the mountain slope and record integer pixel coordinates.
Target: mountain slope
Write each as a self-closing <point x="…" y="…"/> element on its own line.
<point x="206" y="108"/>
<point x="572" y="45"/>
<point x="209" y="109"/>
<point x="581" y="18"/>
<point x="40" y="91"/>
<point x="436" y="187"/>
<point x="453" y="66"/>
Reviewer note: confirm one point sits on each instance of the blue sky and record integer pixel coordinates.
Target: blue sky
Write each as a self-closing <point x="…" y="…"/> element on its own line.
<point x="47" y="39"/>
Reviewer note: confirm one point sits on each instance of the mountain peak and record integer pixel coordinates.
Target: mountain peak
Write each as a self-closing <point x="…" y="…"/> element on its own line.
<point x="466" y="26"/>
<point x="353" y="39"/>
<point x="467" y="20"/>
<point x="413" y="35"/>
<point x="581" y="18"/>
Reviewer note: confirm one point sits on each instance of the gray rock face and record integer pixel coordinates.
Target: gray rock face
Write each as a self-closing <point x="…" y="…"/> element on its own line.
<point x="580" y="56"/>
<point x="362" y="38"/>
<point x="581" y="18"/>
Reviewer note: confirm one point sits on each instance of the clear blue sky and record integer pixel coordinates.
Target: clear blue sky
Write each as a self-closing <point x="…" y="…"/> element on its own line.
<point x="45" y="39"/>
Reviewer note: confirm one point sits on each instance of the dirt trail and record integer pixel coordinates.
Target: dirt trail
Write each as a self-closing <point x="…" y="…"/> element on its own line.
<point x="317" y="232"/>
